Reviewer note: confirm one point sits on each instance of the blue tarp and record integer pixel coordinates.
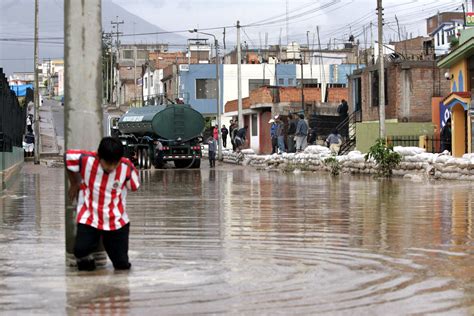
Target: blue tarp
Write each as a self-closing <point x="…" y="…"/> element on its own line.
<point x="20" y="90"/>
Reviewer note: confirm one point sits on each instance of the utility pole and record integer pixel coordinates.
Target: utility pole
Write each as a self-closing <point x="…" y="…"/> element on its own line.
<point x="36" y="96"/>
<point x="381" y="71"/>
<point x="83" y="85"/>
<point x="135" y="75"/>
<point x="310" y="56"/>
<point x="321" y="67"/>
<point x="302" y="86"/>
<point x="239" y="78"/>
<point x="116" y="25"/>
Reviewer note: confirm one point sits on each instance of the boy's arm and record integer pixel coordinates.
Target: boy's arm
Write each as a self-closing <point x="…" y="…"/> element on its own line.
<point x="73" y="168"/>
<point x="74" y="184"/>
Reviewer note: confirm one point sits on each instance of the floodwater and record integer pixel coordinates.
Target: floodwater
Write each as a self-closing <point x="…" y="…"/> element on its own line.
<point x="239" y="241"/>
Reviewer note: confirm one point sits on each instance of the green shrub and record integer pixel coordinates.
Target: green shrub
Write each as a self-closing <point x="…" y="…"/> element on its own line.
<point x="384" y="156"/>
<point x="333" y="164"/>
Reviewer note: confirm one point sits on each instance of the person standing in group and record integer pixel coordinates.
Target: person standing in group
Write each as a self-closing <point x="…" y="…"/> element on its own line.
<point x="291" y="133"/>
<point x="301" y="134"/>
<point x="343" y="108"/>
<point x="240" y="138"/>
<point x="334" y="142"/>
<point x="446" y="137"/>
<point x="279" y="132"/>
<point x="233" y="130"/>
<point x="100" y="182"/>
<point x="212" y="147"/>
<point x="224" y="133"/>
<point x="273" y="136"/>
<point x="215" y="132"/>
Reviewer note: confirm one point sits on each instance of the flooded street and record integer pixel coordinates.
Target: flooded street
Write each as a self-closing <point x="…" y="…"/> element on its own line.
<point x="239" y="241"/>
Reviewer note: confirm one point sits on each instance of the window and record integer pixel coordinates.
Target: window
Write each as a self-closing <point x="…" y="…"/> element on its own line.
<point x="437" y="39"/>
<point x="254" y="125"/>
<point x="127" y="54"/>
<point x="291" y="82"/>
<point x="142" y="54"/>
<point x="257" y="83"/>
<point x="146" y="82"/>
<point x="307" y="82"/>
<point x="442" y="37"/>
<point x="281" y="81"/>
<point x="206" y="89"/>
<point x="151" y="81"/>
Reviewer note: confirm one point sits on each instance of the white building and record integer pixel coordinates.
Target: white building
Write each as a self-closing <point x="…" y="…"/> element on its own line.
<point x="443" y="35"/>
<point x="153" y="90"/>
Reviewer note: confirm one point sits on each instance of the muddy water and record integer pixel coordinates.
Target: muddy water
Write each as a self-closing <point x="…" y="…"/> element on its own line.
<point x="239" y="241"/>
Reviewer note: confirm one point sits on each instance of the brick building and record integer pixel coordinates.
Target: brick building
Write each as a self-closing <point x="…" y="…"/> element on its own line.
<point x="409" y="88"/>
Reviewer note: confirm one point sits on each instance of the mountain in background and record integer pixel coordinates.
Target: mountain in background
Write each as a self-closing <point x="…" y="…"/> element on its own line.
<point x="17" y="22"/>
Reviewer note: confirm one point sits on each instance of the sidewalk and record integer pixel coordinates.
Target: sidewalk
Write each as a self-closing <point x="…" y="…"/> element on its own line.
<point x="48" y="140"/>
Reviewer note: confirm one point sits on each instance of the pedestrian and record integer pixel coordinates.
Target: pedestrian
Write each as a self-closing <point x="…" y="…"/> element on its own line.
<point x="334" y="142"/>
<point x="29" y="123"/>
<point x="212" y="148"/>
<point x="445" y="137"/>
<point x="233" y="133"/>
<point x="240" y="138"/>
<point x="100" y="180"/>
<point x="273" y="136"/>
<point x="224" y="133"/>
<point x="301" y="134"/>
<point x="291" y="133"/>
<point x="343" y="108"/>
<point x="159" y="155"/>
<point x="279" y="132"/>
<point x="215" y="132"/>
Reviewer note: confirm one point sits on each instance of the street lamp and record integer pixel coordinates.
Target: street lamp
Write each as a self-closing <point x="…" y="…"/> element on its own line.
<point x="218" y="113"/>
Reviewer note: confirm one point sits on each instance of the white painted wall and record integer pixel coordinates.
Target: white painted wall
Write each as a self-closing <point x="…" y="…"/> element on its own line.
<point x="248" y="71"/>
<point x="157" y="88"/>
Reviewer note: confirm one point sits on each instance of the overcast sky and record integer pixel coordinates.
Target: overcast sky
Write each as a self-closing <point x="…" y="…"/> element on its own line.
<point x="335" y="18"/>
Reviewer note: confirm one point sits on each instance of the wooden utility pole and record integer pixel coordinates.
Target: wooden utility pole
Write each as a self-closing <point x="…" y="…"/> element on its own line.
<point x="381" y="72"/>
<point x="239" y="78"/>
<point x="83" y="114"/>
<point x="36" y="95"/>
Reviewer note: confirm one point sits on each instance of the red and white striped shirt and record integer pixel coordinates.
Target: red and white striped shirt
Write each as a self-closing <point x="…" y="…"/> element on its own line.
<point x="102" y="197"/>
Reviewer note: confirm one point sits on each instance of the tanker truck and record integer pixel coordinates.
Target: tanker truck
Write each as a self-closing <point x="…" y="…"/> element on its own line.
<point x="154" y="135"/>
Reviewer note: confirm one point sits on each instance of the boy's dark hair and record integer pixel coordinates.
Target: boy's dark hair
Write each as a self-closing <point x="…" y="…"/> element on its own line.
<point x="110" y="149"/>
<point x="301" y="116"/>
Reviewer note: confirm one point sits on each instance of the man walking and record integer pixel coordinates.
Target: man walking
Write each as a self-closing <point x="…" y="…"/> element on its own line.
<point x="224" y="133"/>
<point x="279" y="132"/>
<point x="291" y="133"/>
<point x="301" y="134"/>
<point x="100" y="182"/>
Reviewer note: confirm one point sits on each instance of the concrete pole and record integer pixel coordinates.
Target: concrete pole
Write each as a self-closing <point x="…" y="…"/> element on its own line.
<point x="135" y="75"/>
<point x="239" y="78"/>
<point x="83" y="114"/>
<point x="381" y="71"/>
<point x="36" y="95"/>
<point x="218" y="101"/>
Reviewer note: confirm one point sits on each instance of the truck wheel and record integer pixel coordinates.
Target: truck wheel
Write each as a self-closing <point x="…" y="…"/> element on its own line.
<point x="139" y="158"/>
<point x="145" y="158"/>
<point x="149" y="154"/>
<point x="196" y="164"/>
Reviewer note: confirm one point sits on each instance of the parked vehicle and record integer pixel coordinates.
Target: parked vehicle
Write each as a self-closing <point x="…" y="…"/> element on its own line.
<point x="157" y="134"/>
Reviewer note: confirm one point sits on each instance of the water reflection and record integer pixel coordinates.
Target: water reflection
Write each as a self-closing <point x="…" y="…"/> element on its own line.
<point x="234" y="240"/>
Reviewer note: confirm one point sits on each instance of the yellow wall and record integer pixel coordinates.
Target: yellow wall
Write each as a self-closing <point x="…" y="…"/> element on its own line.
<point x="454" y="70"/>
<point x="458" y="123"/>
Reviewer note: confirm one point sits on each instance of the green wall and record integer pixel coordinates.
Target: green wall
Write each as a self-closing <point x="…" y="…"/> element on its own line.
<point x="8" y="159"/>
<point x="368" y="132"/>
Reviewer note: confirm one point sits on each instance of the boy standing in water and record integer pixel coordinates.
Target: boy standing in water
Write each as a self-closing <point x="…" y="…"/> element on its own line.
<point x="100" y="182"/>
